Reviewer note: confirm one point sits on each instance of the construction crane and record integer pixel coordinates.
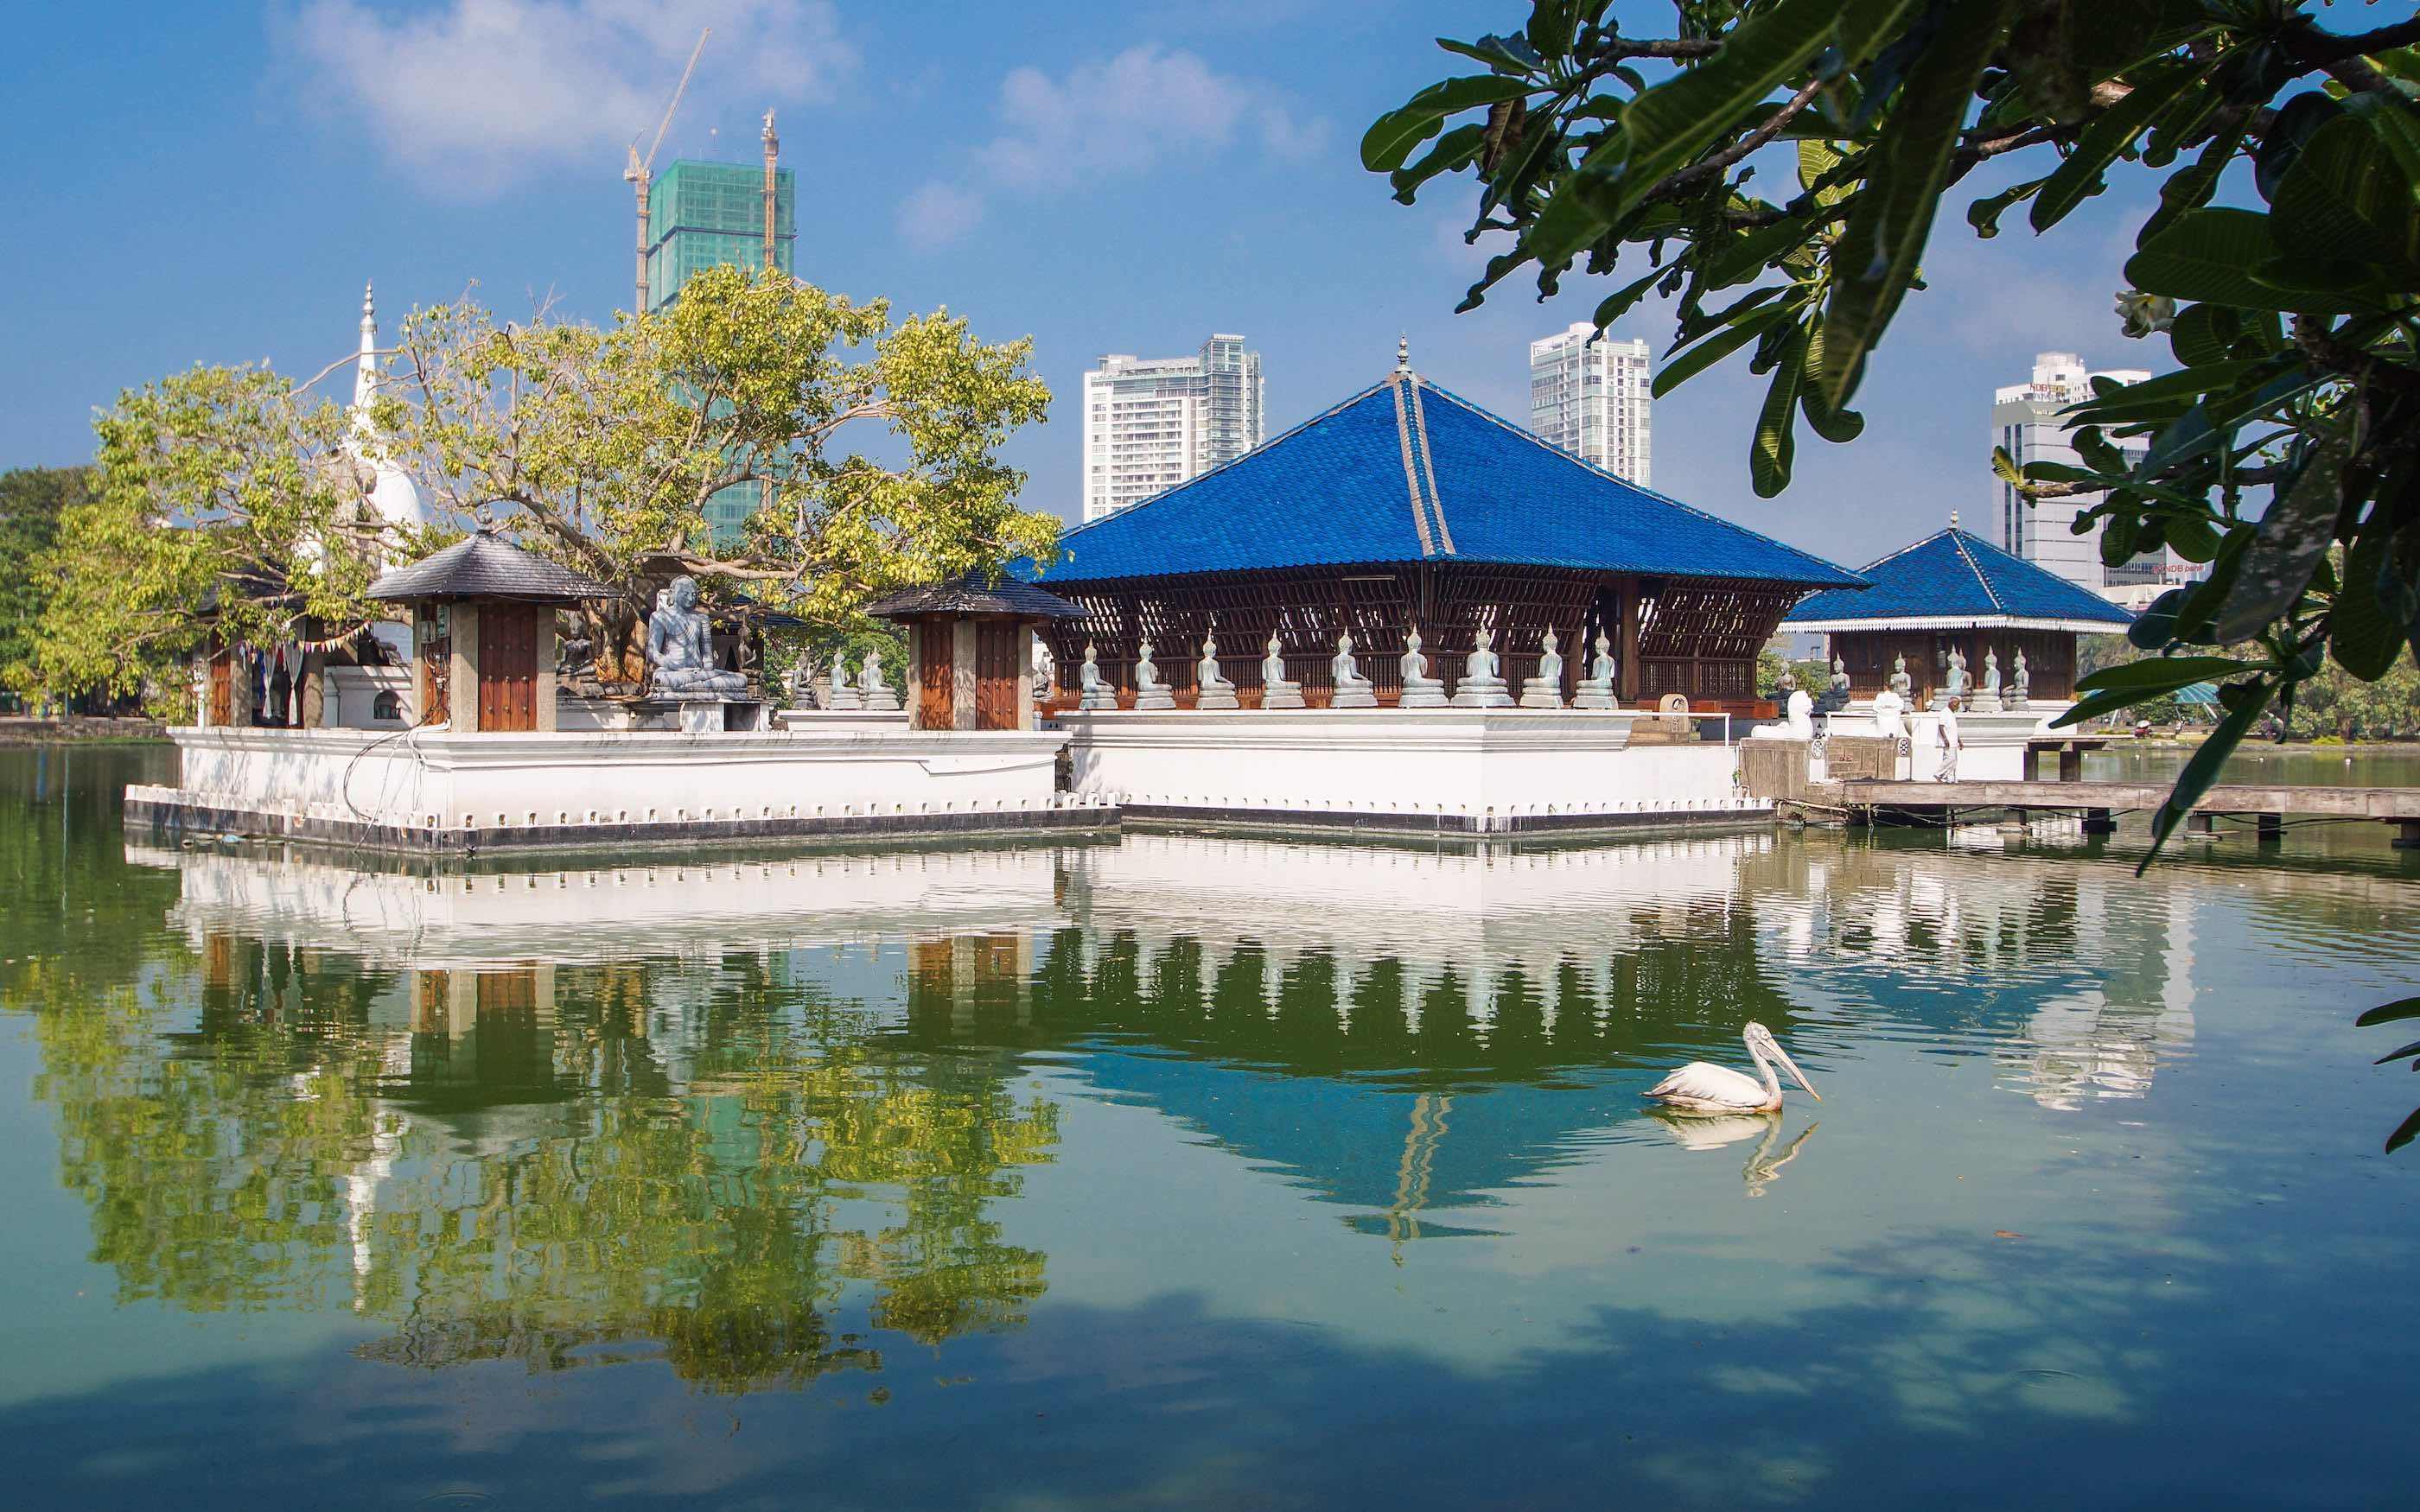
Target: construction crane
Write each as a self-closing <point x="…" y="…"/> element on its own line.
<point x="639" y="168"/>
<point x="773" y="157"/>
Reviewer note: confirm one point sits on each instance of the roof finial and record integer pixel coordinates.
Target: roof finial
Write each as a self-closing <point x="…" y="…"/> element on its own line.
<point x="369" y="313"/>
<point x="1403" y="353"/>
<point x="1953" y="519"/>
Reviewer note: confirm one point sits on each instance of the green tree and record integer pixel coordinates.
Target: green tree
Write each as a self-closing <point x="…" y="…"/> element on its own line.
<point x="32" y="500"/>
<point x="875" y="441"/>
<point x="2293" y="317"/>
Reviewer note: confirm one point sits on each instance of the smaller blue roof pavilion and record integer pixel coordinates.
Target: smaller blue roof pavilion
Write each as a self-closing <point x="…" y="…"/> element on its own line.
<point x="1408" y="507"/>
<point x="1953" y="591"/>
<point x="1955" y="579"/>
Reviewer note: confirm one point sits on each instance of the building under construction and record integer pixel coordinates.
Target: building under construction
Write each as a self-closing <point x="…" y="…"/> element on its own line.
<point x="703" y="215"/>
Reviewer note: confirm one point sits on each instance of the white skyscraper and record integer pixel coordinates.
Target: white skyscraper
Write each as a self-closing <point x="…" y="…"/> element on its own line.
<point x="1152" y="422"/>
<point x="2025" y="420"/>
<point x="1589" y="397"/>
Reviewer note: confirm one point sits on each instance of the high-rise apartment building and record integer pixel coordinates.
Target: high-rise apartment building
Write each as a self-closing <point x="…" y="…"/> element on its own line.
<point x="2025" y="420"/>
<point x="1152" y="422"/>
<point x="1588" y="396"/>
<point x="703" y="215"/>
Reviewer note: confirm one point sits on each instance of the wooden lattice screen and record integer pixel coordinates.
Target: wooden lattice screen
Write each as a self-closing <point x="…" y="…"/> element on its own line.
<point x="1699" y="636"/>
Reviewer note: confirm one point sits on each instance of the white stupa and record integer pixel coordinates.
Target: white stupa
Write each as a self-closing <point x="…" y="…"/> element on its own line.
<point x="391" y="489"/>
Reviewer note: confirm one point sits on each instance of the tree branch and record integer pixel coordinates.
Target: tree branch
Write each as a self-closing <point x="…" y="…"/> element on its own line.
<point x="1697" y="173"/>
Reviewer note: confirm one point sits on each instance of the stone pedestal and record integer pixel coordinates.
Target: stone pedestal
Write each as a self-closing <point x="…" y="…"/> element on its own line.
<point x="699" y="716"/>
<point x="1097" y="698"/>
<point x="1281" y="695"/>
<point x="1542" y="693"/>
<point x="1216" y="696"/>
<point x="1594" y="694"/>
<point x="1483" y="693"/>
<point x="1354" y="696"/>
<point x="1423" y="695"/>
<point x="1155" y="698"/>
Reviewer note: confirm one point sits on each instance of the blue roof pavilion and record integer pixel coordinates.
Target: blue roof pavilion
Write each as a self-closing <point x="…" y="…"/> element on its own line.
<point x="1954" y="590"/>
<point x="1408" y="506"/>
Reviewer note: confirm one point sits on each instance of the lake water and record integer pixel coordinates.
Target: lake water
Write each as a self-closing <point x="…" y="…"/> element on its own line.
<point x="1201" y="1171"/>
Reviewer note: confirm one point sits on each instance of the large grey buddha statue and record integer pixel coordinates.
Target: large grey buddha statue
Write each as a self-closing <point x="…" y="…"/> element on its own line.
<point x="1954" y="684"/>
<point x="1150" y="692"/>
<point x="1352" y="690"/>
<point x="1596" y="689"/>
<point x="1214" y="692"/>
<point x="1420" y="690"/>
<point x="1900" y="683"/>
<point x="2023" y="687"/>
<point x="1545" y="690"/>
<point x="680" y="649"/>
<point x="1482" y="685"/>
<point x="1277" y="690"/>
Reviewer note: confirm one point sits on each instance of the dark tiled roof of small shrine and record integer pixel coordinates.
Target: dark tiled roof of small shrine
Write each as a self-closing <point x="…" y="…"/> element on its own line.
<point x="1957" y="578"/>
<point x="486" y="566"/>
<point x="1407" y="471"/>
<point x="974" y="593"/>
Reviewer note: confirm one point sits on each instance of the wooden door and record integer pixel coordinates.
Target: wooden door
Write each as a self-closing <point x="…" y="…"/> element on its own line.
<point x="508" y="667"/>
<point x="999" y="673"/>
<point x="935" y="676"/>
<point x="222" y="689"/>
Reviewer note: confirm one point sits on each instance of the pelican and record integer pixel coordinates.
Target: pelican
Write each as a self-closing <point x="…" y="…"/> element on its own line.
<point x="1698" y="1087"/>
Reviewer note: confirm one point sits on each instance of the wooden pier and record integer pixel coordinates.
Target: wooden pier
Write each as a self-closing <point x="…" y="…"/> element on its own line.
<point x="2099" y="803"/>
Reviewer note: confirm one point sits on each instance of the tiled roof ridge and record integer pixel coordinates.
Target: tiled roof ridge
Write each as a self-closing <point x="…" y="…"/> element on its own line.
<point x="1958" y="539"/>
<point x="1556" y="452"/>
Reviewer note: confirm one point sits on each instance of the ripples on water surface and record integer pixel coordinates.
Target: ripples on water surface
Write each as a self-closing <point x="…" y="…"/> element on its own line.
<point x="1197" y="1170"/>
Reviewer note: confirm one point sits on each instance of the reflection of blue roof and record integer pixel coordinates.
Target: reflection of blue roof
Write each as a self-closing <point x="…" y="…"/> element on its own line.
<point x="2201" y="694"/>
<point x="1405" y="471"/>
<point x="1954" y="579"/>
<point x="1359" y="1142"/>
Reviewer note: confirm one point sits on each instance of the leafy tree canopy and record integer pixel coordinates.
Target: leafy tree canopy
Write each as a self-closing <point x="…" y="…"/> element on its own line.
<point x="873" y="441"/>
<point x="32" y="500"/>
<point x="2293" y="314"/>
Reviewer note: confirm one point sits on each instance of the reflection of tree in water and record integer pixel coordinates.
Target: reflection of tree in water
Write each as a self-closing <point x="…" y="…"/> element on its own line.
<point x="516" y="1173"/>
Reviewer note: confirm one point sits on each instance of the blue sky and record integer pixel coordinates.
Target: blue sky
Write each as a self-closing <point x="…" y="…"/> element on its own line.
<point x="214" y="182"/>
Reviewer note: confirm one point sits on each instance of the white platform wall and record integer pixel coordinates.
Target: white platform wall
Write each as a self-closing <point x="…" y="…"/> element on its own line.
<point x="419" y="779"/>
<point x="1471" y="765"/>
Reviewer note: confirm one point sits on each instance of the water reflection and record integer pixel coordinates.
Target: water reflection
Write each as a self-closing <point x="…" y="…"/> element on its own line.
<point x="763" y="1119"/>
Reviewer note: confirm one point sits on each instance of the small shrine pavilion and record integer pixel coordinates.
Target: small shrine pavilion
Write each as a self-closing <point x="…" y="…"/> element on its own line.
<point x="970" y="650"/>
<point x="483" y="627"/>
<point x="1954" y="590"/>
<point x="1406" y="507"/>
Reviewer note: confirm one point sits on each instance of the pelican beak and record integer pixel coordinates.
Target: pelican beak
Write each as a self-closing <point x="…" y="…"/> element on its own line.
<point x="1796" y="1075"/>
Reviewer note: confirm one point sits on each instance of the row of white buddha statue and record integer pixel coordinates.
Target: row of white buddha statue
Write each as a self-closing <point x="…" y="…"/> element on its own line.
<point x="1482" y="684"/>
<point x="867" y="693"/>
<point x="1959" y="683"/>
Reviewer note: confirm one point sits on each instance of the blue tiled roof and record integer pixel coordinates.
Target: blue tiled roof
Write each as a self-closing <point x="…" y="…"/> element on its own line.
<point x="1406" y="471"/>
<point x="1958" y="574"/>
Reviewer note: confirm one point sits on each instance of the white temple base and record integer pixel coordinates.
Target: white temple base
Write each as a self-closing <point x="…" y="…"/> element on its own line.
<point x="1993" y="747"/>
<point x="439" y="791"/>
<point x="1451" y="770"/>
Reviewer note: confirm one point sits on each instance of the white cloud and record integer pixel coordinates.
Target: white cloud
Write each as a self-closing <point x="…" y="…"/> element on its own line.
<point x="1117" y="117"/>
<point x="938" y="213"/>
<point x="475" y="94"/>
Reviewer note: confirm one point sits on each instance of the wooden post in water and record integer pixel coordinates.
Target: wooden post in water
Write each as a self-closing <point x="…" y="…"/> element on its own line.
<point x="2273" y="828"/>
